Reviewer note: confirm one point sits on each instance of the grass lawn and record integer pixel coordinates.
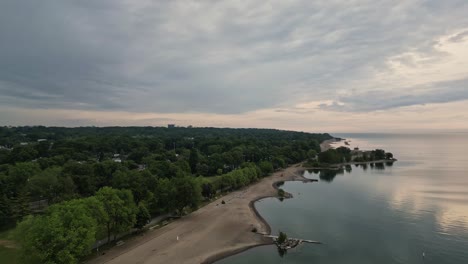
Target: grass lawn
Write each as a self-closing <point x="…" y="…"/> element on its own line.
<point x="8" y="255"/>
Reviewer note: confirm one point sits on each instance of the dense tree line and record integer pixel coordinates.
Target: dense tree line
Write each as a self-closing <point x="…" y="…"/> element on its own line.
<point x="104" y="181"/>
<point x="344" y="154"/>
<point x="67" y="230"/>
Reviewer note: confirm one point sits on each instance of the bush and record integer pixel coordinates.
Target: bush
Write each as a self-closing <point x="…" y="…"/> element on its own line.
<point x="223" y="202"/>
<point x="282" y="237"/>
<point x="281" y="193"/>
<point x="254" y="230"/>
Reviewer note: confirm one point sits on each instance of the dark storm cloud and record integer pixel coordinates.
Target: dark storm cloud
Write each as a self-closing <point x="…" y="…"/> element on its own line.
<point x="211" y="56"/>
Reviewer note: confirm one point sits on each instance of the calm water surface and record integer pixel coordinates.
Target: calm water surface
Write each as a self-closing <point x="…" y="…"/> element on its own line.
<point x="389" y="214"/>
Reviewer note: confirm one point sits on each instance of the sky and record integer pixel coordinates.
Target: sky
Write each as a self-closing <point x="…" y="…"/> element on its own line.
<point x="317" y="66"/>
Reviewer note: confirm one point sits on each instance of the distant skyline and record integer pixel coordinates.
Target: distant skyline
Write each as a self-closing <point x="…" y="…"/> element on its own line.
<point x="318" y="66"/>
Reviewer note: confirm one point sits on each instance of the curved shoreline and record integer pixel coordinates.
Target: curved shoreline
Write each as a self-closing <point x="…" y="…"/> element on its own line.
<point x="296" y="176"/>
<point x="209" y="234"/>
<point x="217" y="257"/>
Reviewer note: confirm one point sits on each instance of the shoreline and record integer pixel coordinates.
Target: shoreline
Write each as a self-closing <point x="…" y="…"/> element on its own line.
<point x="211" y="233"/>
<point x="297" y="176"/>
<point x="327" y="144"/>
<point x="324" y="146"/>
<point x="220" y="229"/>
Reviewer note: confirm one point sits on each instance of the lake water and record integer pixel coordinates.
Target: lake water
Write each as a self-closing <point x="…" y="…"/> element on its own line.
<point x="389" y="214"/>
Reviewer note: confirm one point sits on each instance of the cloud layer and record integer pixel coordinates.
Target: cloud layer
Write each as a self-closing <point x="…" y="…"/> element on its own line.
<point x="232" y="57"/>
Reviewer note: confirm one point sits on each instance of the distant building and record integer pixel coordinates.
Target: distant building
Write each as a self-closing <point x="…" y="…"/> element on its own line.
<point x="23" y="143"/>
<point x="41" y="140"/>
<point x="116" y="155"/>
<point x="170" y="125"/>
<point x="118" y="160"/>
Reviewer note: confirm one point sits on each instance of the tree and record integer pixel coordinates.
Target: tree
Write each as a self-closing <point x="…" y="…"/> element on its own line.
<point x="21" y="172"/>
<point x="278" y="163"/>
<point x="64" y="234"/>
<point x="5" y="210"/>
<point x="83" y="177"/>
<point x="187" y="193"/>
<point x="379" y="154"/>
<point x="388" y="155"/>
<point x="330" y="156"/>
<point x="44" y="185"/>
<point x="194" y="159"/>
<point x="23" y="153"/>
<point x="137" y="155"/>
<point x="20" y="204"/>
<point x="266" y="167"/>
<point x="282" y="237"/>
<point x="120" y="209"/>
<point x="95" y="209"/>
<point x="208" y="190"/>
<point x="142" y="217"/>
<point x="164" y="196"/>
<point x="103" y="173"/>
<point x="281" y="193"/>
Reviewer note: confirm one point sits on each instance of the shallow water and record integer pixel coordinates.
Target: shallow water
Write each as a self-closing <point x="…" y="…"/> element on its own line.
<point x="380" y="214"/>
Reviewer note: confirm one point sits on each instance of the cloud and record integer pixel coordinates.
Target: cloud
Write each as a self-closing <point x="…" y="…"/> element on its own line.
<point x="459" y="37"/>
<point x="441" y="92"/>
<point x="231" y="57"/>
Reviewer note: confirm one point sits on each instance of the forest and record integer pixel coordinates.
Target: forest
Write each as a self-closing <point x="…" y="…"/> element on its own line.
<point x="65" y="188"/>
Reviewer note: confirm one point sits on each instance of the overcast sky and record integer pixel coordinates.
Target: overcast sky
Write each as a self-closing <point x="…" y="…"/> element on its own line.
<point x="325" y="66"/>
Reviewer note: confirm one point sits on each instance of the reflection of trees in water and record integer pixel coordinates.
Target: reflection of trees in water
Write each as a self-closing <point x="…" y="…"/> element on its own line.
<point x="348" y="168"/>
<point x="380" y="166"/>
<point x="329" y="175"/>
<point x="377" y="166"/>
<point x="389" y="163"/>
<point x="282" y="251"/>
<point x="364" y="166"/>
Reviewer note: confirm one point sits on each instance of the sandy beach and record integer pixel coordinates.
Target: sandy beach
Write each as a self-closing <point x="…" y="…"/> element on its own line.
<point x="208" y="234"/>
<point x="327" y="144"/>
<point x="214" y="231"/>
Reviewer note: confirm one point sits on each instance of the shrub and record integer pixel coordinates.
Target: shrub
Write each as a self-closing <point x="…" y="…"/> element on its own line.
<point x="282" y="237"/>
<point x="281" y="193"/>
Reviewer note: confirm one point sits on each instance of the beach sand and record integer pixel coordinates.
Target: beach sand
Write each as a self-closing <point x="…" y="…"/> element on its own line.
<point x="208" y="234"/>
<point x="327" y="144"/>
